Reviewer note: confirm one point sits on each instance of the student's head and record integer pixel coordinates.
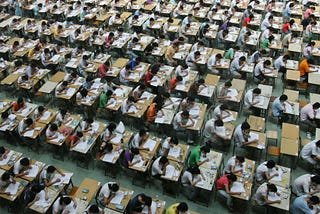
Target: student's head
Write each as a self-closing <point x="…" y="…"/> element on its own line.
<point x="256" y="91"/>
<point x="29" y="121"/>
<point x="205" y="149"/>
<point x="286" y="57"/>
<point x="174" y="141"/>
<point x="267" y="63"/>
<point x="18" y="63"/>
<point x="316" y="106"/>
<point x="185" y="114"/>
<point x="146" y="200"/>
<point x="84" y="92"/>
<point x="270" y="164"/>
<point x="272" y="188"/>
<point x="163" y="160"/>
<point x="109" y="147"/>
<point x="4" y="115"/>
<point x="65" y="200"/>
<point x="314" y="200"/>
<point x="197" y="54"/>
<point x="242" y="59"/>
<point x="20" y="100"/>
<point x="142" y="132"/>
<point x="51" y="169"/>
<point x="227" y="84"/>
<point x="218" y="56"/>
<point x="218" y="123"/>
<point x="134" y="151"/>
<point x="315" y="180"/>
<point x="36" y="188"/>
<point x="63" y="111"/>
<point x="182" y="207"/>
<point x="239" y="159"/>
<point x="25" y="162"/>
<point x="53" y="127"/>
<point x="263" y="52"/>
<point x="283" y="98"/>
<point x="201" y="81"/>
<point x="114" y="187"/>
<point x="179" y="78"/>
<point x="190" y="100"/>
<point x="245" y="127"/>
<point x="40" y="109"/>
<point x="318" y="143"/>
<point x="291" y="22"/>
<point x="131" y="99"/>
<point x="135" y="40"/>
<point x="89" y="120"/>
<point x="231" y="177"/>
<point x="65" y="83"/>
<point x="5" y="176"/>
<point x="79" y="134"/>
<point x="94" y="209"/>
<point x="271" y="38"/>
<point x="111" y="127"/>
<point x="142" y="87"/>
<point x="2" y="150"/>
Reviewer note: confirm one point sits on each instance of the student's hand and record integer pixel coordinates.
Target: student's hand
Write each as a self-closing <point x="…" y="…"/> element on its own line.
<point x="58" y="180"/>
<point x="278" y="201"/>
<point x="276" y="174"/>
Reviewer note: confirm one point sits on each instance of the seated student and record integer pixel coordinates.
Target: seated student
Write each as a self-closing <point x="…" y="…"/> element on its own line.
<point x="103" y="69"/>
<point x="137" y="204"/>
<point x="124" y="75"/>
<point x="52" y="132"/>
<point x="236" y="66"/>
<point x="127" y="104"/>
<point x="307" y="50"/>
<point x="306" y="184"/>
<point x="214" y="132"/>
<point x="15" y="47"/>
<point x="38" y="113"/>
<point x="177" y="208"/>
<point x="88" y="84"/>
<point x="231" y="52"/>
<point x="19" y="105"/>
<point x="109" y="85"/>
<point x="62" y="88"/>
<point x="108" y="192"/>
<point x="170" y="51"/>
<point x="241" y="135"/>
<point x="182" y="70"/>
<point x="257" y="56"/>
<point x="264" y="169"/>
<point x="23" y="81"/>
<point x="304" y="68"/>
<point x="3" y="152"/>
<point x="5" y="181"/>
<point x="308" y="116"/>
<point x="104" y="99"/>
<point x="167" y="144"/>
<point x="305" y="204"/>
<point x="138" y="91"/>
<point x="47" y="175"/>
<point x="266" y="43"/>
<point x="20" y="167"/>
<point x="195" y="88"/>
<point x="152" y="71"/>
<point x="189" y="180"/>
<point x="192" y="60"/>
<point x="86" y="124"/>
<point x="180" y="123"/>
<point x="235" y="165"/>
<point x="262" y="193"/>
<point x="224" y="185"/>
<point x="128" y="157"/>
<point x="93" y="209"/>
<point x="250" y="98"/>
<point x="81" y="95"/>
<point x="173" y="83"/>
<point x="104" y="149"/>
<point x="260" y="70"/>
<point x="223" y="91"/>
<point x="83" y="65"/>
<point x="45" y="57"/>
<point x="131" y="44"/>
<point x="31" y="194"/>
<point x="139" y="139"/>
<point x="159" y="166"/>
<point x="153" y="111"/>
<point x="279" y="108"/>
<point x="75" y="138"/>
<point x="64" y="204"/>
<point x="108" y="134"/>
<point x="32" y="70"/>
<point x="221" y="112"/>
<point x="63" y="117"/>
<point x="25" y="125"/>
<point x="71" y="78"/>
<point x="187" y="104"/>
<point x="195" y="156"/>
<point x="311" y="152"/>
<point x="212" y="63"/>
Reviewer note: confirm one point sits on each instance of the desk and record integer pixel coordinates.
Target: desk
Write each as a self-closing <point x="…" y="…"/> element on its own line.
<point x="314" y="97"/>
<point x="125" y="200"/>
<point x="22" y="185"/>
<point x="200" y="118"/>
<point x="290" y="131"/>
<point x="5" y="105"/>
<point x="285" y="179"/>
<point x="40" y="165"/>
<point x="285" y="199"/>
<point x="293" y="95"/>
<point x="48" y="119"/>
<point x="257" y="123"/>
<point x="12" y="158"/>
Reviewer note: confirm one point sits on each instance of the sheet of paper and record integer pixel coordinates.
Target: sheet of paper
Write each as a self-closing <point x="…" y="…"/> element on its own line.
<point x="276" y="178"/>
<point x="81" y="146"/>
<point x="33" y="172"/>
<point x="133" y="109"/>
<point x="272" y="196"/>
<point x="180" y="87"/>
<point x="117" y="198"/>
<point x="5" y="160"/>
<point x="42" y="201"/>
<point x="59" y="138"/>
<point x="174" y="152"/>
<point x="237" y="187"/>
<point x="108" y="157"/>
<point x="140" y="163"/>
<point x="153" y="208"/>
<point x="63" y="179"/>
<point x="13" y="188"/>
<point x="170" y="171"/>
<point x="117" y="138"/>
<point x="4" y="128"/>
<point x="29" y="133"/>
<point x="253" y="136"/>
<point x="120" y="128"/>
<point x="70" y="92"/>
<point x="45" y="115"/>
<point x="228" y="119"/>
<point x="150" y="144"/>
<point x="288" y="108"/>
<point x="260" y="100"/>
<point x="232" y="92"/>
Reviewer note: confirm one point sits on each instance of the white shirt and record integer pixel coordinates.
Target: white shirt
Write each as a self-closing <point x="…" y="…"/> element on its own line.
<point x="176" y="120"/>
<point x="265" y="24"/>
<point x="123" y="74"/>
<point x="301" y="184"/>
<point x="50" y="133"/>
<point x="260" y="172"/>
<point x="58" y="208"/>
<point x="209" y="129"/>
<point x="136" y="141"/>
<point x="310" y="149"/>
<point x="278" y="63"/>
<point x="231" y="163"/>
<point x="248" y="98"/>
<point x="261" y="193"/>
<point x="156" y="167"/>
<point x="238" y="136"/>
<point x="259" y="69"/>
<point x="105" y="191"/>
<point x="211" y="62"/>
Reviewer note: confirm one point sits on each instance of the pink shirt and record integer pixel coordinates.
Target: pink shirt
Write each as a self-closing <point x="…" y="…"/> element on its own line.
<point x="307" y="13"/>
<point x="307" y="112"/>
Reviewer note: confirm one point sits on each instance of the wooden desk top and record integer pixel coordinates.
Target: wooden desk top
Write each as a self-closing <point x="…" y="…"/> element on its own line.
<point x="290" y="131"/>
<point x="125" y="200"/>
<point x="90" y="185"/>
<point x="289" y="146"/>
<point x="257" y="123"/>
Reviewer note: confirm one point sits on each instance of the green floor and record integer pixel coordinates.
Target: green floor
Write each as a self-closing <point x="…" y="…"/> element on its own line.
<point x="98" y="173"/>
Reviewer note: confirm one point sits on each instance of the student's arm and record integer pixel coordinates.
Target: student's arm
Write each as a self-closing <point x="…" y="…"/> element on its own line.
<point x="74" y="143"/>
<point x="232" y="169"/>
<point x="266" y="173"/>
<point x="106" y="201"/>
<point x="266" y="201"/>
<point x="250" y="142"/>
<point x="228" y="190"/>
<point x="133" y="163"/>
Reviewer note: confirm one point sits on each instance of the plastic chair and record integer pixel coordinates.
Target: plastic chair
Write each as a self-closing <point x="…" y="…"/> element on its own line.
<point x="274" y="151"/>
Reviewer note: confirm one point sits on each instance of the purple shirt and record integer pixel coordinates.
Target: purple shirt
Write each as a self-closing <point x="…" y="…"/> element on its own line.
<point x="127" y="157"/>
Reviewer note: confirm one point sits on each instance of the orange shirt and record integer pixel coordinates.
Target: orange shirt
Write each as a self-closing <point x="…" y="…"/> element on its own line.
<point x="151" y="113"/>
<point x="304" y="68"/>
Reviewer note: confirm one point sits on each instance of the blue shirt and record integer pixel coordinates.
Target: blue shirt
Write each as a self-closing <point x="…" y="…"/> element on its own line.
<point x="277" y="107"/>
<point x="300" y="206"/>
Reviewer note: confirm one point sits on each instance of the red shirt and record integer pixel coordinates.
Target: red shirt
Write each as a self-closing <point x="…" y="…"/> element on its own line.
<point x="172" y="84"/>
<point x="222" y="182"/>
<point x="16" y="106"/>
<point x="74" y="138"/>
<point x="147" y="78"/>
<point x="285" y="27"/>
<point x="246" y="21"/>
<point x="102" y="70"/>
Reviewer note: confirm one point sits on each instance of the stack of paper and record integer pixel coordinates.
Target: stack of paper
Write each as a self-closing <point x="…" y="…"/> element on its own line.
<point x="150" y="144"/>
<point x="63" y="179"/>
<point x="174" y="152"/>
<point x="279" y="172"/>
<point x="108" y="157"/>
<point x="117" y="198"/>
<point x="13" y="188"/>
<point x="272" y="196"/>
<point x="237" y="187"/>
<point x="140" y="163"/>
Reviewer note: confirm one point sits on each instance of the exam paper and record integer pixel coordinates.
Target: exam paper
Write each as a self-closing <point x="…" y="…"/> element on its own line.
<point x="237" y="187"/>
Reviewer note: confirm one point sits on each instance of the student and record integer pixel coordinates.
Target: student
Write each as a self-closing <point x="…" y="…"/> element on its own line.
<point x="287" y="26"/>
<point x="221" y="112"/>
<point x="236" y="65"/>
<point x="128" y="157"/>
<point x="38" y="113"/>
<point x="137" y="204"/>
<point x="159" y="166"/>
<point x="173" y="83"/>
<point x="187" y="104"/>
<point x="195" y="155"/>
<point x="64" y="204"/>
<point x="167" y="145"/>
<point x="182" y="70"/>
<point x="279" y="108"/>
<point x="83" y="65"/>
<point x="47" y="175"/>
<point x="304" y="68"/>
<point x="250" y="98"/>
<point x="266" y="23"/>
<point x="224" y="185"/>
<point x="81" y="96"/>
<point x="124" y="74"/>
<point x="264" y="169"/>
<point x="214" y="132"/>
<point x="25" y="125"/>
<point x="31" y="194"/>
<point x="212" y="63"/>
<point x="223" y="91"/>
<point x="311" y="152"/>
<point x="308" y="116"/>
<point x="304" y="204"/>
<point x="6" y="180"/>
<point x="307" y="50"/>
<point x="306" y="184"/>
<point x="153" y="111"/>
<point x="138" y="91"/>
<point x="52" y="132"/>
<point x="235" y="165"/>
<point x="62" y="88"/>
<point x="63" y="117"/>
<point x="260" y="70"/>
<point x="21" y="167"/>
<point x="127" y="104"/>
<point x="71" y="78"/>
<point x="231" y="51"/>
<point x="19" y="105"/>
<point x="309" y="28"/>
<point x="195" y="88"/>
<point x="103" y="69"/>
<point x="281" y="61"/>
<point x="93" y="209"/>
<point x="177" y="208"/>
<point x="192" y="60"/>
<point x="266" y="43"/>
<point x="45" y="57"/>
<point x="180" y="123"/>
<point x="139" y="139"/>
<point x="241" y="135"/>
<point x="75" y="138"/>
<point x="262" y="193"/>
<point x="170" y="51"/>
<point x="3" y="152"/>
<point x="104" y="99"/>
<point x="189" y="180"/>
<point x="86" y="124"/>
<point x="108" y="192"/>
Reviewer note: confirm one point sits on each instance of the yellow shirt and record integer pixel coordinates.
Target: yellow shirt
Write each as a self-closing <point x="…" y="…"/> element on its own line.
<point x="172" y="209"/>
<point x="169" y="53"/>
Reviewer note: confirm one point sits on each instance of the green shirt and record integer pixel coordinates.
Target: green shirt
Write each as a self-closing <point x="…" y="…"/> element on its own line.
<point x="103" y="100"/>
<point x="229" y="54"/>
<point x="265" y="44"/>
<point x="194" y="157"/>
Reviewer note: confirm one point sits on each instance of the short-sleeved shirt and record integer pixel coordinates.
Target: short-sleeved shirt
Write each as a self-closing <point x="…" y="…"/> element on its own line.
<point x="261" y="193"/>
<point x="277" y="107"/>
<point x="304" y="68"/>
<point x="105" y="191"/>
<point x="310" y="149"/>
<point x="44" y="175"/>
<point x="231" y="163"/>
<point x="172" y="209"/>
<point x="135" y="205"/>
<point x="300" y="206"/>
<point x="285" y="27"/>
<point x="127" y="157"/>
<point x="307" y="112"/>
<point x="238" y="136"/>
<point x="260" y="172"/>
<point x="259" y="69"/>
<point x="156" y="168"/>
<point x="151" y="112"/>
<point x="301" y="185"/>
<point x="194" y="157"/>
<point x="222" y="182"/>
<point x="265" y="44"/>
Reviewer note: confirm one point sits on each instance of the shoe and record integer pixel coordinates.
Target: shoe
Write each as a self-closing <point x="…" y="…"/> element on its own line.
<point x="309" y="135"/>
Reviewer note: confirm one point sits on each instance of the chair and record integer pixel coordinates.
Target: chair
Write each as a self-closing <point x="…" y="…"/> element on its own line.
<point x="274" y="151"/>
<point x="73" y="190"/>
<point x="272" y="135"/>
